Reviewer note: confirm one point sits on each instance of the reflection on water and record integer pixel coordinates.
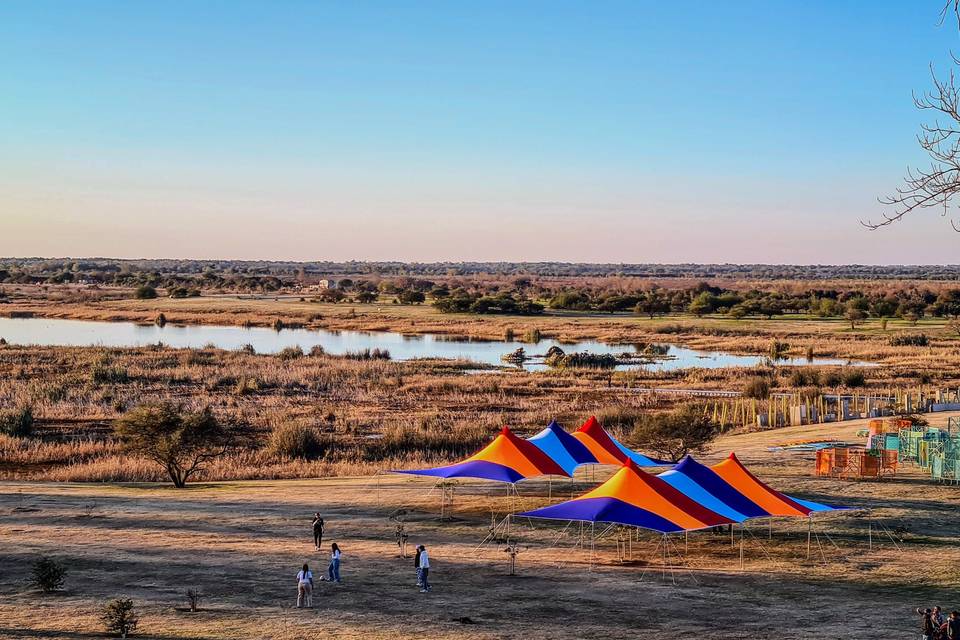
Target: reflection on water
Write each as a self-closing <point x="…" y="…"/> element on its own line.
<point x="49" y="332"/>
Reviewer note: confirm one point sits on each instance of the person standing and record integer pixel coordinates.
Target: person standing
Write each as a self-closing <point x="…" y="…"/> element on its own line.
<point x="953" y="626"/>
<point x="926" y="623"/>
<point x="317" y="530"/>
<point x="304" y="587"/>
<point x="424" y="570"/>
<point x="416" y="565"/>
<point x="333" y="571"/>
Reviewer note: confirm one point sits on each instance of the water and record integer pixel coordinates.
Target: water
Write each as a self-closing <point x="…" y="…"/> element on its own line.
<point x="55" y="332"/>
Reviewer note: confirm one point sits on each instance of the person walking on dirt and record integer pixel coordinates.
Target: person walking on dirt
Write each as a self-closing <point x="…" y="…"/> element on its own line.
<point x="424" y="570"/>
<point x="333" y="571"/>
<point x="317" y="530"/>
<point x="305" y="587"/>
<point x="416" y="565"/>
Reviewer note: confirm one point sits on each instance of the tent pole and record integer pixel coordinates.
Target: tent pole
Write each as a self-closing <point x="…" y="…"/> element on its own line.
<point x="593" y="540"/>
<point x="770" y="529"/>
<point x="378" y="488"/>
<point x="870" y="535"/>
<point x="549" y="488"/>
<point x="686" y="542"/>
<point x="741" y="546"/>
<point x="809" y="531"/>
<point x="730" y="527"/>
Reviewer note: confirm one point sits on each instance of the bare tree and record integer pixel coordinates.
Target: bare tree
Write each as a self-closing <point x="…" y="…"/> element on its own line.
<point x="937" y="185"/>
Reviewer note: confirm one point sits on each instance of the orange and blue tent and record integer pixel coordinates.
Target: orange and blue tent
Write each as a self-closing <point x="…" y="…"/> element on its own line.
<point x="606" y="450"/>
<point x="636" y="498"/>
<point x="770" y="500"/>
<point x="507" y="459"/>
<point x="562" y="448"/>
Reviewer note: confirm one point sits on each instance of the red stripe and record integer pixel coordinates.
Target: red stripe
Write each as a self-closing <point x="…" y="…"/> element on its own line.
<point x="540" y="460"/>
<point x="695" y="509"/>
<point x="769" y="489"/>
<point x="593" y="429"/>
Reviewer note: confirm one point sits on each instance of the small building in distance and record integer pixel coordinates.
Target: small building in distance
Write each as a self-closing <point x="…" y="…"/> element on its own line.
<point x="323" y="284"/>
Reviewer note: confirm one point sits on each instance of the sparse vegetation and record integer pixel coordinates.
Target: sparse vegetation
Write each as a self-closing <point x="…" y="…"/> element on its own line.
<point x="120" y="617"/>
<point x="48" y="574"/>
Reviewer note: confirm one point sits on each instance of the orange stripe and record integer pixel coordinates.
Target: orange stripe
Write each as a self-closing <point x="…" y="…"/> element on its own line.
<point x="630" y="486"/>
<point x="764" y="497"/>
<point x="602" y="455"/>
<point x="503" y="451"/>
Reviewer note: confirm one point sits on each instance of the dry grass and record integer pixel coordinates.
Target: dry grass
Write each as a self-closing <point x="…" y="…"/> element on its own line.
<point x="241" y="544"/>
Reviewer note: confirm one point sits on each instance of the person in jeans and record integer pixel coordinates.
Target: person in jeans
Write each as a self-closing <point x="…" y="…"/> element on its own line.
<point x="317" y="531"/>
<point x="333" y="571"/>
<point x="424" y="570"/>
<point x="416" y="565"/>
<point x="304" y="587"/>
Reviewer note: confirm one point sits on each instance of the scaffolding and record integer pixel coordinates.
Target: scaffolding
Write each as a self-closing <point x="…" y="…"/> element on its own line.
<point x="934" y="450"/>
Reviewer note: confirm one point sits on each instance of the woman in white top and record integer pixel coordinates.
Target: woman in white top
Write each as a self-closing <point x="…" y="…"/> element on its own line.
<point x="333" y="570"/>
<point x="304" y="587"/>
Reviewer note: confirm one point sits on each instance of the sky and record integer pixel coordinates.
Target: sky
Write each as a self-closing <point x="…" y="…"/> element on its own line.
<point x="595" y="131"/>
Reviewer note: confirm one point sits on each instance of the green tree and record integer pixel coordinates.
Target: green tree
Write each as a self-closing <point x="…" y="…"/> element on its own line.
<point x="673" y="435"/>
<point x="180" y="442"/>
<point x="145" y="292"/>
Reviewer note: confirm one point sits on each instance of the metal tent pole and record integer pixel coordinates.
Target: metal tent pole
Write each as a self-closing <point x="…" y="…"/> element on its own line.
<point x="809" y="532"/>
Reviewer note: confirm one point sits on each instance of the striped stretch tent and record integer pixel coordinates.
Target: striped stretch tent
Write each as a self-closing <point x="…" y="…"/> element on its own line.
<point x="636" y="498"/>
<point x="507" y="459"/>
<point x="606" y="450"/>
<point x="690" y="497"/>
<point x="770" y="500"/>
<point x="562" y="448"/>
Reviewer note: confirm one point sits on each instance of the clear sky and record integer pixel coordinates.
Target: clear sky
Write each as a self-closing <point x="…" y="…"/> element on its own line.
<point x="702" y="131"/>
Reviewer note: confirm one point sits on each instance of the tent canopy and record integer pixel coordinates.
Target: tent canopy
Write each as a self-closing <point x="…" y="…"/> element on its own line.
<point x="637" y="498"/>
<point x="562" y="448"/>
<point x="770" y="500"/>
<point x="689" y="497"/>
<point x="507" y="459"/>
<point x="606" y="450"/>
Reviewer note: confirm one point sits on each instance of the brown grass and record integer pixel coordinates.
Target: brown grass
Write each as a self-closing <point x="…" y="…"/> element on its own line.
<point x="241" y="543"/>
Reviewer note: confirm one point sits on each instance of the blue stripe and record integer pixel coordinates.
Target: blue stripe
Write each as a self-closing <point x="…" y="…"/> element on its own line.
<point x="609" y="510"/>
<point x="685" y="485"/>
<point x="472" y="469"/>
<point x="719" y="488"/>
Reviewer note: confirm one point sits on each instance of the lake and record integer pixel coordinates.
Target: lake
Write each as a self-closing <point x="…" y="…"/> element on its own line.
<point x="81" y="333"/>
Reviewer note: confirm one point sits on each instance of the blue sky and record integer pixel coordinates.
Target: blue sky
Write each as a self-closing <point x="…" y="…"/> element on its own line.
<point x="580" y="131"/>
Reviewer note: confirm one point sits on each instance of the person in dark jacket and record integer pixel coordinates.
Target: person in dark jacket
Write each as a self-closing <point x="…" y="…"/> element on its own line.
<point x="953" y="626"/>
<point x="926" y="623"/>
<point x="317" y="530"/>
<point x="416" y="565"/>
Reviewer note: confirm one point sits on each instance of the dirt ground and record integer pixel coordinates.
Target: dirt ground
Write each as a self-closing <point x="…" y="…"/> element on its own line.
<point x="242" y="543"/>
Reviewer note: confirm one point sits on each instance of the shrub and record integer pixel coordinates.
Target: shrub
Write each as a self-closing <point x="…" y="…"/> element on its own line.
<point x="368" y="354"/>
<point x="910" y="340"/>
<point x="179" y="292"/>
<point x="145" y="292"/>
<point x="119" y="617"/>
<point x="17" y="423"/>
<point x="778" y="350"/>
<point x="673" y="435"/>
<point x="831" y="379"/>
<point x="292" y="440"/>
<point x="104" y="374"/>
<point x="757" y="387"/>
<point x="581" y="360"/>
<point x="180" y="443"/>
<point x="48" y="574"/>
<point x="290" y="353"/>
<point x="316" y="351"/>
<point x="248" y="349"/>
<point x="854" y="378"/>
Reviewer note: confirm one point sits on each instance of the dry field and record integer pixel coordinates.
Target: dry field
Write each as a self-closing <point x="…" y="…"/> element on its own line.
<point x="241" y="543"/>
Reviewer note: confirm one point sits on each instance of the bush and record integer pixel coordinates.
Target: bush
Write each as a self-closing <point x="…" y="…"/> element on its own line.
<point x="367" y="354"/>
<point x="48" y="574"/>
<point x="292" y="440"/>
<point x="119" y="617"/>
<point x="854" y="378"/>
<point x="290" y="353"/>
<point x="757" y="387"/>
<point x="316" y="351"/>
<point x="673" y="435"/>
<point x="145" y="292"/>
<point x="17" y="423"/>
<point x="910" y="340"/>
